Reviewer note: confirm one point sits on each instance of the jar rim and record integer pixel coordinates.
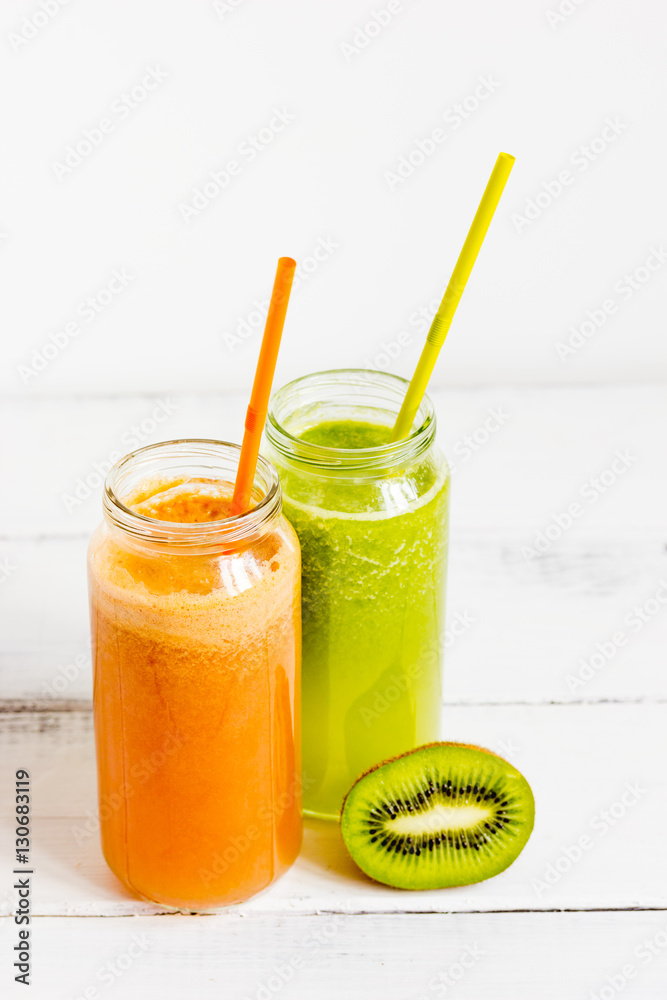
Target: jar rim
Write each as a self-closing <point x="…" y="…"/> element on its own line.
<point x="387" y="387"/>
<point x="146" y="460"/>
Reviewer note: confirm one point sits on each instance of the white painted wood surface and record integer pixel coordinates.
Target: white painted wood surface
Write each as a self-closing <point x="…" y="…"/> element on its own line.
<point x="586" y="780"/>
<point x="531" y="620"/>
<point x="548" y="956"/>
<point x="550" y="926"/>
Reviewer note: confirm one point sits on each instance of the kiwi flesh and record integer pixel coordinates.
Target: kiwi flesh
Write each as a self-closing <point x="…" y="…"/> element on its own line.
<point x="442" y="815"/>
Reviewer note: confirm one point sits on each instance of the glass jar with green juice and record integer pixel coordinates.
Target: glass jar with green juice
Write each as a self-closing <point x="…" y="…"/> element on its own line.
<point x="372" y="519"/>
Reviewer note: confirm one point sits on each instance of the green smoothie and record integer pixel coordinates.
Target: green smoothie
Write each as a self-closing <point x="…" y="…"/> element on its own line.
<point x="374" y="554"/>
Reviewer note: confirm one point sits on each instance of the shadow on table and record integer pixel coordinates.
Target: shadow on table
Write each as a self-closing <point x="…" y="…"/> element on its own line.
<point x="324" y="851"/>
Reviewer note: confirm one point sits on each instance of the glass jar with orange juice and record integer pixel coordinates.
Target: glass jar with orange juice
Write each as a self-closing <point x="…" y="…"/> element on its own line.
<point x="195" y="616"/>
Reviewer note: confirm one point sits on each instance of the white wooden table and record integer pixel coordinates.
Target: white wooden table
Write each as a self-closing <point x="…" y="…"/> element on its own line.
<point x="565" y="920"/>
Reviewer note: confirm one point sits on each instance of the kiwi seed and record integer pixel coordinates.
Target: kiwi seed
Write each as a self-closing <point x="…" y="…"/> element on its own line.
<point x="442" y="815"/>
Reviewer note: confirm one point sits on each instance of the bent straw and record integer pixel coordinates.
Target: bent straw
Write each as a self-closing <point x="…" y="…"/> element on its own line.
<point x="450" y="300"/>
<point x="261" y="389"/>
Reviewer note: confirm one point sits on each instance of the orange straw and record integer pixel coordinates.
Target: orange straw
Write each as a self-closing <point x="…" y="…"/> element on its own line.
<point x="261" y="390"/>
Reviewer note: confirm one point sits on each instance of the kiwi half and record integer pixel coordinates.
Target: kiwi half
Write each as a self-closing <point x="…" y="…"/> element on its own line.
<point x="444" y="814"/>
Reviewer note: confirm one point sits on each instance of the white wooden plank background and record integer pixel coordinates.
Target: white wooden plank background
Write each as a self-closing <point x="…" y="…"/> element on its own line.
<point x="550" y="956"/>
<point x="533" y="620"/>
<point x="530" y="624"/>
<point x="572" y="755"/>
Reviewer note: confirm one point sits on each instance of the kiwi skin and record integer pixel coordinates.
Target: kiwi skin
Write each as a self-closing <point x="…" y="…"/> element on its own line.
<point x="439" y="868"/>
<point x="409" y="753"/>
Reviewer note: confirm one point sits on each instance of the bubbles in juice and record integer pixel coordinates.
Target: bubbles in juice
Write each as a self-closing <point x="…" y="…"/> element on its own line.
<point x="196" y="693"/>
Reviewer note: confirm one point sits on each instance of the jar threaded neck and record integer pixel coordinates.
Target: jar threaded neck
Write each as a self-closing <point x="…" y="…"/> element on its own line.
<point x="346" y="394"/>
<point x="194" y="458"/>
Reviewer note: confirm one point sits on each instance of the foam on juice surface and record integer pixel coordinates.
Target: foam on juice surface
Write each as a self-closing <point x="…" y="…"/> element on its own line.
<point x="374" y="557"/>
<point x="183" y="500"/>
<point x="220" y="594"/>
<point x="347" y="434"/>
<point x="196" y="677"/>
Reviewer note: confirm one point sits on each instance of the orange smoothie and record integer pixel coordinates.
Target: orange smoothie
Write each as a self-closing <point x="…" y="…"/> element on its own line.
<point x="196" y="652"/>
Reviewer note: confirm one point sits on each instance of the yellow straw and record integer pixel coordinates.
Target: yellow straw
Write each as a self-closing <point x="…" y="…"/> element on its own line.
<point x="445" y="314"/>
